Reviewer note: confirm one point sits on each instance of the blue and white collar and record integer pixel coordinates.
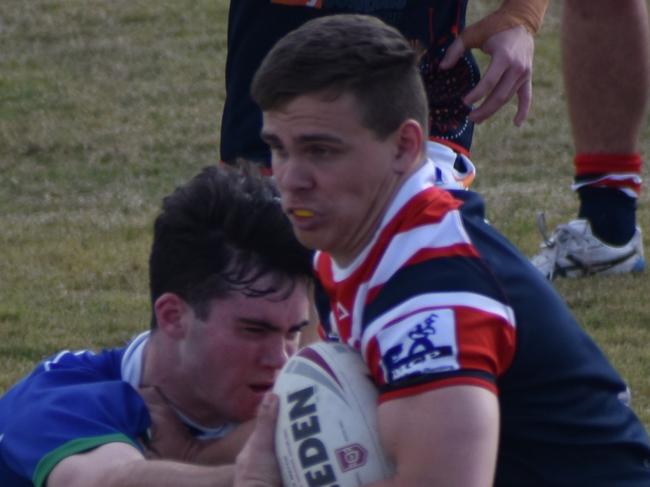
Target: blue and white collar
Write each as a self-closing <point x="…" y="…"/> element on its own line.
<point x="131" y="368"/>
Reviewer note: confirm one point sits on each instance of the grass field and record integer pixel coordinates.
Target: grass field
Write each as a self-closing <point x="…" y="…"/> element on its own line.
<point x="106" y="106"/>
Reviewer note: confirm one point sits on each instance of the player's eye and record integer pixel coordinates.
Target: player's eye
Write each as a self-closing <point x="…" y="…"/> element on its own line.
<point x="255" y="330"/>
<point x="319" y="152"/>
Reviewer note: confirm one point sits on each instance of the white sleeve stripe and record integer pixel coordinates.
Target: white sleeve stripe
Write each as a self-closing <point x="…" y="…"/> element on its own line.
<point x="447" y="232"/>
<point x="58" y="357"/>
<point x="47" y="365"/>
<point x="437" y="300"/>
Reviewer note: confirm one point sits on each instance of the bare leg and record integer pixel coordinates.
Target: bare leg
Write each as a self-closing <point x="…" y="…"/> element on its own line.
<point x="606" y="72"/>
<point x="606" y="64"/>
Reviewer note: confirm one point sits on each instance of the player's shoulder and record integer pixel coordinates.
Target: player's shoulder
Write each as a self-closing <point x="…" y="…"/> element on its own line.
<point x="64" y="374"/>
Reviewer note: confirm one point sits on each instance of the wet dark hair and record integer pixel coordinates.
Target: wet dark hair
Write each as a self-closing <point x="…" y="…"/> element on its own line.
<point x="221" y="232"/>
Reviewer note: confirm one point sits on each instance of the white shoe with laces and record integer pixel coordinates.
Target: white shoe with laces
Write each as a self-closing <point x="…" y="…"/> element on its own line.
<point x="573" y="251"/>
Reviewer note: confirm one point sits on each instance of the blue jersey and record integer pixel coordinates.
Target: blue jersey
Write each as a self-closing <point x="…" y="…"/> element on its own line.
<point x="439" y="298"/>
<point x="254" y="26"/>
<point x="74" y="402"/>
<point x="71" y="403"/>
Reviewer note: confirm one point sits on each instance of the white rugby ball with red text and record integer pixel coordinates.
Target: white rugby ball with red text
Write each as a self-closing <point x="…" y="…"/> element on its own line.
<point x="326" y="434"/>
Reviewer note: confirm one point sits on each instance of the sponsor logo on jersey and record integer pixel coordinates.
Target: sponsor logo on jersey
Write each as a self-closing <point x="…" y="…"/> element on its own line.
<point x="422" y="343"/>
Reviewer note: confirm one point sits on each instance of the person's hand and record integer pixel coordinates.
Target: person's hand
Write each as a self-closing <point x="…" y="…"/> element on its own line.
<point x="256" y="465"/>
<point x="509" y="73"/>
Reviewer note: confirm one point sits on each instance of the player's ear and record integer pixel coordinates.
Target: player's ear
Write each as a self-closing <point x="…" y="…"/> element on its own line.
<point x="409" y="140"/>
<point x="171" y="311"/>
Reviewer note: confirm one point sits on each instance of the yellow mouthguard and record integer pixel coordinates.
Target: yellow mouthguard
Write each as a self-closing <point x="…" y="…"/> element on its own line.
<point x="303" y="213"/>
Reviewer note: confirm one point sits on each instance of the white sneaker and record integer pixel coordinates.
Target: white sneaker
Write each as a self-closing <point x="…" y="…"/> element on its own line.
<point x="573" y="251"/>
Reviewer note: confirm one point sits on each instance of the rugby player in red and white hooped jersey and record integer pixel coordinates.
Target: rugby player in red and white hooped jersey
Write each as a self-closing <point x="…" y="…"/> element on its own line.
<point x="485" y="377"/>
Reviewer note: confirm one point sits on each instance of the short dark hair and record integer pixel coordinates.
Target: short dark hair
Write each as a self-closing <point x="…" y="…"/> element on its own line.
<point x="220" y="232"/>
<point x="346" y="53"/>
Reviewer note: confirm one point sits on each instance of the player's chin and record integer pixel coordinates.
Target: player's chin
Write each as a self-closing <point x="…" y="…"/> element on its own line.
<point x="243" y="411"/>
<point x="307" y="238"/>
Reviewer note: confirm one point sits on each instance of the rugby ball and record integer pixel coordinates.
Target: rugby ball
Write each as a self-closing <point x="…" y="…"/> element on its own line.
<point x="326" y="432"/>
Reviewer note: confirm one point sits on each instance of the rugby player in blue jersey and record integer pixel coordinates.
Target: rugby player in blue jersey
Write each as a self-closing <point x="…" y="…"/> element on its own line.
<point x="229" y="291"/>
<point x="508" y="389"/>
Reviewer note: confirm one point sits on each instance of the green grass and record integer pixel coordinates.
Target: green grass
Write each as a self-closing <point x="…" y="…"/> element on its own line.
<point x="106" y="106"/>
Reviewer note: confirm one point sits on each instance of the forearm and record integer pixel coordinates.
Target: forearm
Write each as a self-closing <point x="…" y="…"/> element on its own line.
<point x="225" y="450"/>
<point x="512" y="13"/>
<point x="121" y="465"/>
<point x="163" y="473"/>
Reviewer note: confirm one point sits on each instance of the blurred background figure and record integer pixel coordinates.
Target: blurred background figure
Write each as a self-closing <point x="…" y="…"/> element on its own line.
<point x="436" y="28"/>
<point x="606" y="75"/>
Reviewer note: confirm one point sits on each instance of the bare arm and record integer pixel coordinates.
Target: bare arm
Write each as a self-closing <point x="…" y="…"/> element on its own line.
<point x="122" y="465"/>
<point x="445" y="437"/>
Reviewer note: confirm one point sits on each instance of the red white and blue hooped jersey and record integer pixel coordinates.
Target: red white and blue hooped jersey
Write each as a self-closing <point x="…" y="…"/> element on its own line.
<point x="71" y="403"/>
<point x="439" y="298"/>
